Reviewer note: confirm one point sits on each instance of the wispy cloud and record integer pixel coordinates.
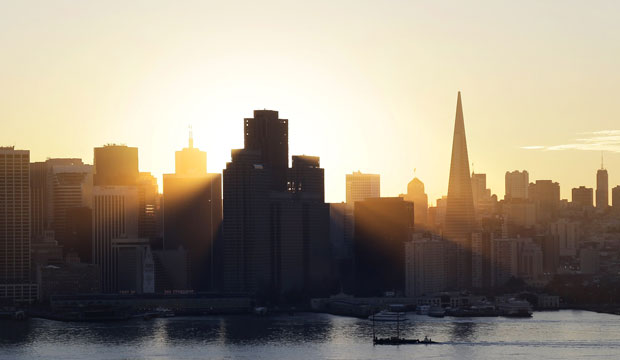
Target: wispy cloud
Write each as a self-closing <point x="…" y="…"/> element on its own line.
<point x="603" y="140"/>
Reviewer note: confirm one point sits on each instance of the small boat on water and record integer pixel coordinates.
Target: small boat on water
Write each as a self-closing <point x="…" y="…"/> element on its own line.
<point x="385" y="315"/>
<point x="515" y="308"/>
<point x="395" y="340"/>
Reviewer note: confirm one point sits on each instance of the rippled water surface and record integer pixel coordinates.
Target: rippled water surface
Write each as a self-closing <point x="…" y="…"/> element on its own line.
<point x="548" y="335"/>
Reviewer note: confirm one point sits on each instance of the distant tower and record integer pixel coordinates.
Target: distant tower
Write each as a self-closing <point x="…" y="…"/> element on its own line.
<point x="517" y="185"/>
<point x="602" y="187"/>
<point x="416" y="194"/>
<point x="460" y="220"/>
<point x="362" y="186"/>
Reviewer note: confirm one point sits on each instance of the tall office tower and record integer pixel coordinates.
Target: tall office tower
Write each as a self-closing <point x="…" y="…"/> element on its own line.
<point x="546" y="196"/>
<point x="517" y="183"/>
<point x="615" y="197"/>
<point x="479" y="187"/>
<point x="246" y="246"/>
<point x="115" y="215"/>
<point x="116" y="165"/>
<point x="416" y="194"/>
<point x="362" y="186"/>
<point x="193" y="214"/>
<point x="276" y="239"/>
<point x="382" y="227"/>
<point x="56" y="186"/>
<point x="425" y="266"/>
<point x="602" y="188"/>
<point x="38" y="195"/>
<point x="148" y="193"/>
<point x="268" y="134"/>
<point x="582" y="196"/>
<point x="460" y="217"/>
<point x="341" y="238"/>
<point x="15" y="277"/>
<point x="306" y="178"/>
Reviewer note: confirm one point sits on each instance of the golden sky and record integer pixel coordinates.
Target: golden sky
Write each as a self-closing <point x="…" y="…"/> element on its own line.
<point x="366" y="85"/>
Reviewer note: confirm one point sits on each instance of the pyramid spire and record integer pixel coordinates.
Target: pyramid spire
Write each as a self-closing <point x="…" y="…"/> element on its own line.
<point x="460" y="221"/>
<point x="191" y="137"/>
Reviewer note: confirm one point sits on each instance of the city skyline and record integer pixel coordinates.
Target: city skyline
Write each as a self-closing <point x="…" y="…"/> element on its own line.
<point x="112" y="75"/>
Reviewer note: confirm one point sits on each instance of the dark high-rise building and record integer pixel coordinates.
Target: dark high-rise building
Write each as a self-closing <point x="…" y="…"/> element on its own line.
<point x="546" y="196"/>
<point x="15" y="276"/>
<point x="615" y="197"/>
<point x="582" y="197"/>
<point x="460" y="217"/>
<point x="56" y="186"/>
<point x="268" y="134"/>
<point x="116" y="165"/>
<point x="306" y="178"/>
<point x="148" y="195"/>
<point x="246" y="247"/>
<point x="79" y="233"/>
<point x="276" y="224"/>
<point x="602" y="188"/>
<point x="382" y="227"/>
<point x="193" y="215"/>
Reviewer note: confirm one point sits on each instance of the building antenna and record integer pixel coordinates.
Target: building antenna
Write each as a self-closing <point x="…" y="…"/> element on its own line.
<point x="602" y="167"/>
<point x="191" y="137"/>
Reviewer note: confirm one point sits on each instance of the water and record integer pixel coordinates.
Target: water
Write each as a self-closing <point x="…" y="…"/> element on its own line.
<point x="548" y="335"/>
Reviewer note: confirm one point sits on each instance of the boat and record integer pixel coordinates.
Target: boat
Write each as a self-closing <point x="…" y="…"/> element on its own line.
<point x="515" y="308"/>
<point x="437" y="311"/>
<point x="395" y="340"/>
<point x="423" y="309"/>
<point x="385" y="315"/>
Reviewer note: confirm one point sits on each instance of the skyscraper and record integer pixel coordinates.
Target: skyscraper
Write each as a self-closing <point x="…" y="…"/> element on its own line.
<point x="382" y="228"/>
<point x="416" y="194"/>
<point x="193" y="214"/>
<point x="276" y="238"/>
<point x="582" y="196"/>
<point x="15" y="277"/>
<point x="615" y="197"/>
<point x="460" y="219"/>
<point x="116" y="165"/>
<point x="115" y="216"/>
<point x="268" y="134"/>
<point x="517" y="183"/>
<point x="546" y="196"/>
<point x="602" y="188"/>
<point x="362" y="186"/>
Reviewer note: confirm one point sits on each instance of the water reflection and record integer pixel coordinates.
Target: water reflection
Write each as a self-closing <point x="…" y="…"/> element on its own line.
<point x="463" y="331"/>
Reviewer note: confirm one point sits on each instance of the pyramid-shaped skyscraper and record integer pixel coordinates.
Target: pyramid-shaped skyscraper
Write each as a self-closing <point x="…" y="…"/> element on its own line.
<point x="460" y="219"/>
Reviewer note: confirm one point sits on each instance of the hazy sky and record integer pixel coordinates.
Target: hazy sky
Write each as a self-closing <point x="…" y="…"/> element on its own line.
<point x="366" y="85"/>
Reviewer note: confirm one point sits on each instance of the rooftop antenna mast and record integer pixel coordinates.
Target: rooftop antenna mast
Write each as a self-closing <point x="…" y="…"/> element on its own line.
<point x="602" y="167"/>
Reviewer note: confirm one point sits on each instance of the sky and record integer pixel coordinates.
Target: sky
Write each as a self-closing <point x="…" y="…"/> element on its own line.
<point x="366" y="85"/>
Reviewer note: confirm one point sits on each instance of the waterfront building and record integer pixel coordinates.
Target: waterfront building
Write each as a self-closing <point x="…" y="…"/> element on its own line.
<point x="360" y="187"/>
<point x="589" y="260"/>
<point x="68" y="279"/>
<point x="134" y="266"/>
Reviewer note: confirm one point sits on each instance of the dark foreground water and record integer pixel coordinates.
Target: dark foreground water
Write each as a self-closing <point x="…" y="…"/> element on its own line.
<point x="548" y="335"/>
